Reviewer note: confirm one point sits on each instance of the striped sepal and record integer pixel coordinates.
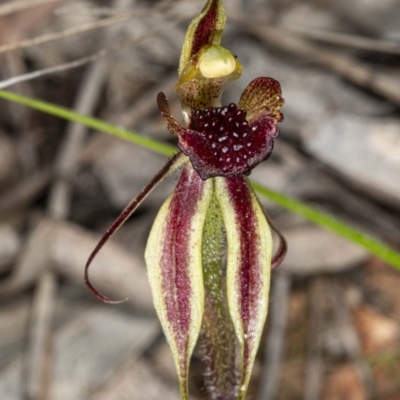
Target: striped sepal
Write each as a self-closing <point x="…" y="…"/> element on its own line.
<point x="204" y="30"/>
<point x="248" y="266"/>
<point x="174" y="263"/>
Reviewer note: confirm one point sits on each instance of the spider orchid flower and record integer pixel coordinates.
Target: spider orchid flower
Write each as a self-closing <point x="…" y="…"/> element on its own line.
<point x="195" y="286"/>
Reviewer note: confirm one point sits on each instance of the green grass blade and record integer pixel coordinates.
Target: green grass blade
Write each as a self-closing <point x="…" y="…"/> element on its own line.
<point x="94" y="123"/>
<point x="372" y="245"/>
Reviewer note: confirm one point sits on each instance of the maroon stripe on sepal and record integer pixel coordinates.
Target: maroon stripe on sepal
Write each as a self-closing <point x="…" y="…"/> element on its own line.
<point x="205" y="29"/>
<point x="174" y="264"/>
<point x="248" y="266"/>
<point x="176" y="251"/>
<point x="249" y="270"/>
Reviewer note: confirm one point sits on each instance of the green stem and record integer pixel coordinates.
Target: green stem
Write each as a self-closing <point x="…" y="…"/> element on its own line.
<point x="375" y="247"/>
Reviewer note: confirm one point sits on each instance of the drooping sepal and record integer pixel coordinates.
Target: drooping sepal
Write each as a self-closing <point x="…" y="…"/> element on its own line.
<point x="249" y="246"/>
<point x="172" y="165"/>
<point x="174" y="263"/>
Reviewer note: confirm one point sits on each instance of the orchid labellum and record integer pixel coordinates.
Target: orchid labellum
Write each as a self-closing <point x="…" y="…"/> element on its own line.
<point x="209" y="254"/>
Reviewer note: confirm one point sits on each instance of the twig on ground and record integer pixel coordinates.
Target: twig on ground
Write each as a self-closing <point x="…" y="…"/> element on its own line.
<point x="356" y="71"/>
<point x="77" y="63"/>
<point x="12" y="29"/>
<point x="58" y="206"/>
<point x="349" y="337"/>
<point x="343" y="39"/>
<point x="145" y="105"/>
<point x="39" y="337"/>
<point x="27" y="157"/>
<point x="89" y="93"/>
<point x="315" y="363"/>
<point x="111" y="11"/>
<point x="102" y="23"/>
<point x="274" y="350"/>
<point x="49" y="247"/>
<point x="25" y="191"/>
<point x="84" y="60"/>
<point x="50" y="37"/>
<point x="19" y="5"/>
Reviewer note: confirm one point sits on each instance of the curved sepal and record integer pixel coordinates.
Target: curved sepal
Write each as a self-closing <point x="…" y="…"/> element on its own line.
<point x="249" y="245"/>
<point x="173" y="125"/>
<point x="174" y="264"/>
<point x="172" y="165"/>
<point x="281" y="252"/>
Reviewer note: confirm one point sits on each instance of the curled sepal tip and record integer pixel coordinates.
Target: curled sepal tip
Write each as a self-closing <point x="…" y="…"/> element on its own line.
<point x="249" y="245"/>
<point x="174" y="163"/>
<point x="281" y="252"/>
<point x="100" y="296"/>
<point x="174" y="265"/>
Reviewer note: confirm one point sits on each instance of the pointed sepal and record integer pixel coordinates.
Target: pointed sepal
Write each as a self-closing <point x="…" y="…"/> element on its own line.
<point x="204" y="30"/>
<point x="249" y="255"/>
<point x="172" y="165"/>
<point x="174" y="263"/>
<point x="282" y="249"/>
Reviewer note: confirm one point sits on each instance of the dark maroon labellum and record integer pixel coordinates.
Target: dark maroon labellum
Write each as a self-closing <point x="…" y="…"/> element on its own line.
<point x="228" y="134"/>
<point x="221" y="142"/>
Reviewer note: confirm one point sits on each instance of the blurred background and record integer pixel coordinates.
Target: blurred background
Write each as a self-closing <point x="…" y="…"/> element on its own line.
<point x="334" y="325"/>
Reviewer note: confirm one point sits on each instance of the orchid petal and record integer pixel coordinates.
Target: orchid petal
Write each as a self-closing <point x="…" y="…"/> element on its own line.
<point x="173" y="125"/>
<point x="262" y="99"/>
<point x="174" y="264"/>
<point x="172" y="165"/>
<point x="249" y="245"/>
